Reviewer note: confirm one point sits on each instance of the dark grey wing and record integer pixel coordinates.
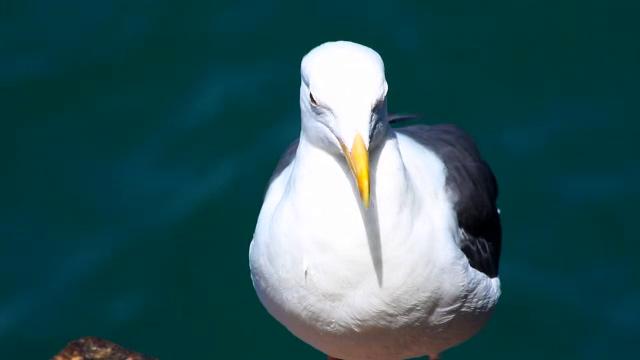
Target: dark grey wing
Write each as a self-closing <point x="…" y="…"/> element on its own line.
<point x="285" y="160"/>
<point x="474" y="189"/>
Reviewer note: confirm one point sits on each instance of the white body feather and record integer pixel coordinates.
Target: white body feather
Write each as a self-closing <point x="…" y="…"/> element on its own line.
<point x="388" y="282"/>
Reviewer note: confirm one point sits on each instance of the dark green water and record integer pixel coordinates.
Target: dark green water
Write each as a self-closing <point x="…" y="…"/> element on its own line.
<point x="126" y="215"/>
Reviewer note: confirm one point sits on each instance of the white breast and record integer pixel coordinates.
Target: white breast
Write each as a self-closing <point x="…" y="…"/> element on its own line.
<point x="376" y="283"/>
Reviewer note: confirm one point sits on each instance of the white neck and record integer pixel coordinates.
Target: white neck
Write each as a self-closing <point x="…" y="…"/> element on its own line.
<point x="318" y="171"/>
<point x="327" y="204"/>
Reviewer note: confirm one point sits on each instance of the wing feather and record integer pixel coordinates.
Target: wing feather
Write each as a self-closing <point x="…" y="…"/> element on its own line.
<point x="474" y="191"/>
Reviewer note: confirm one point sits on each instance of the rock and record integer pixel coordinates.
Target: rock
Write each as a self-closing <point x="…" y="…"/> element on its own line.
<point x="93" y="348"/>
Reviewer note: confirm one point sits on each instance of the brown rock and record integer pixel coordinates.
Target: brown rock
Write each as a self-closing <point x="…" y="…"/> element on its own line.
<point x="93" y="348"/>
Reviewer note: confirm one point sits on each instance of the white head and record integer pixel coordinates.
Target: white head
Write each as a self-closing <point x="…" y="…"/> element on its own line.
<point x="343" y="103"/>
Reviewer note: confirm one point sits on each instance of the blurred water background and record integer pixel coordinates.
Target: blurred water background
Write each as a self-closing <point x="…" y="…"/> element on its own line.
<point x="137" y="137"/>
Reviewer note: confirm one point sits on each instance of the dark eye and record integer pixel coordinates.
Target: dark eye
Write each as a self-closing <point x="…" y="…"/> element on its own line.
<point x="313" y="100"/>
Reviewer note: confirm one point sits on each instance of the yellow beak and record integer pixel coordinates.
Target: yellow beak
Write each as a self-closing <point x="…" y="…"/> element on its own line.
<point x="358" y="160"/>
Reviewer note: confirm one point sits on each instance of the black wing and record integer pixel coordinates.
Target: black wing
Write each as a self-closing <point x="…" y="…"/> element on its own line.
<point x="474" y="190"/>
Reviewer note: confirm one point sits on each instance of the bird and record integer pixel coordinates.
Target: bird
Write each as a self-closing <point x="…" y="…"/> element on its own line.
<point x="373" y="241"/>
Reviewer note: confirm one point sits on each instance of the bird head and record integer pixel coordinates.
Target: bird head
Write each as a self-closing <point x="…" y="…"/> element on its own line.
<point x="343" y="104"/>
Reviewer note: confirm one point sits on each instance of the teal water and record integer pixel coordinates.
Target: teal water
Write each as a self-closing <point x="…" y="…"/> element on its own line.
<point x="126" y="215"/>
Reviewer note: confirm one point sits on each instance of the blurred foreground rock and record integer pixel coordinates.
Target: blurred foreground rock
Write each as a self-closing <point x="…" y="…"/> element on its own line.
<point x="92" y="348"/>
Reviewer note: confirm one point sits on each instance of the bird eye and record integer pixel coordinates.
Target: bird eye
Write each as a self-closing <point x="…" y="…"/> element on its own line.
<point x="313" y="100"/>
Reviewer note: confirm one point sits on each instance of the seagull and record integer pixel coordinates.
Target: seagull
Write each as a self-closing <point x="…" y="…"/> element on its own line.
<point x="375" y="242"/>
